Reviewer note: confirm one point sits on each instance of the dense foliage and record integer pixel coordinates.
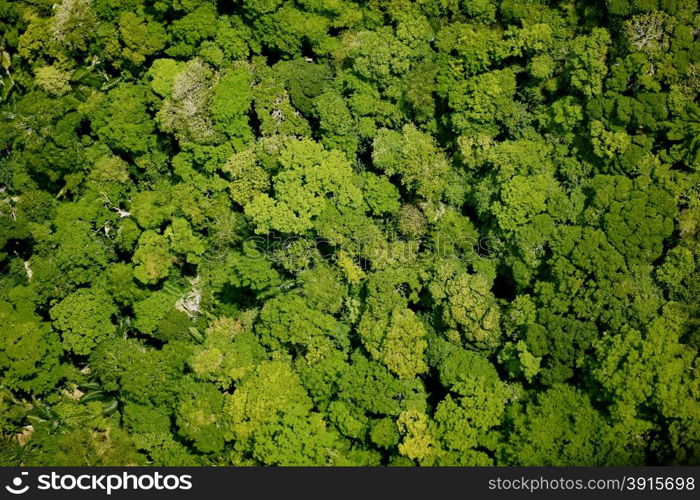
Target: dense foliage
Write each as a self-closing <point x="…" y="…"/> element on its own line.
<point x="349" y="232"/>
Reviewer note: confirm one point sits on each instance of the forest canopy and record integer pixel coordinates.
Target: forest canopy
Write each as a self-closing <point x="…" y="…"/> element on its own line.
<point x="349" y="232"/>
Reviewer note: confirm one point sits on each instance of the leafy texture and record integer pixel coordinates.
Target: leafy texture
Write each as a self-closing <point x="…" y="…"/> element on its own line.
<point x="349" y="232"/>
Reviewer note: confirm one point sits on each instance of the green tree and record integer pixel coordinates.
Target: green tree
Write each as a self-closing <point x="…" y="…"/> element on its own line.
<point x="122" y="119"/>
<point x="85" y="319"/>
<point x="395" y="338"/>
<point x="310" y="177"/>
<point x="414" y="156"/>
<point x="561" y="427"/>
<point x="152" y="258"/>
<point x="230" y="104"/>
<point x="29" y="352"/>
